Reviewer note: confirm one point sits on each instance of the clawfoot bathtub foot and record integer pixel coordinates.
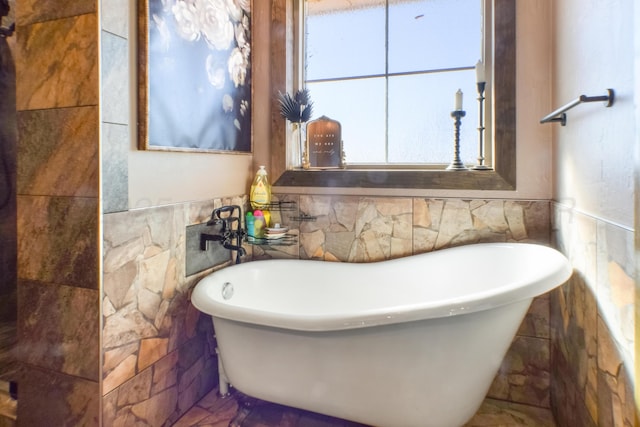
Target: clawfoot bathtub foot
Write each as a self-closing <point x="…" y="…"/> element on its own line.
<point x="245" y="405"/>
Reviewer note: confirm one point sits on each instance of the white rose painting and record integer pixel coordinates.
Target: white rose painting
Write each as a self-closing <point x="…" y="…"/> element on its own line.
<point x="195" y="75"/>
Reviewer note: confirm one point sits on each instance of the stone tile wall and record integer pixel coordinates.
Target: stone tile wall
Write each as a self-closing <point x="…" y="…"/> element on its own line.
<point x="58" y="212"/>
<point x="8" y="154"/>
<point x="115" y="102"/>
<point x="158" y="350"/>
<point x="365" y="229"/>
<point x="592" y="323"/>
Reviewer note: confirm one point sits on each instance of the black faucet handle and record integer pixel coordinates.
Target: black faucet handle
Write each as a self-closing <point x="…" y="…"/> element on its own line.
<point x="224" y="215"/>
<point x="227" y="211"/>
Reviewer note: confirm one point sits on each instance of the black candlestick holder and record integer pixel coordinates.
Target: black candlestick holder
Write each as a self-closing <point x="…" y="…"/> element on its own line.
<point x="456" y="164"/>
<point x="481" y="165"/>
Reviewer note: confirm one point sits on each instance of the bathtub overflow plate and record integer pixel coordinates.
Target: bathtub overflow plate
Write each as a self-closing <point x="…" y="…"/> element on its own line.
<point x="227" y="290"/>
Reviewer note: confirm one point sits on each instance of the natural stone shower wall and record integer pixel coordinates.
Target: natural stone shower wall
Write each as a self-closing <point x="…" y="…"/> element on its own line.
<point x="58" y="199"/>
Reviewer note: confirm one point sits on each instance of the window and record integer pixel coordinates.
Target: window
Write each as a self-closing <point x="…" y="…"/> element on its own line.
<point x="500" y="116"/>
<point x="388" y="71"/>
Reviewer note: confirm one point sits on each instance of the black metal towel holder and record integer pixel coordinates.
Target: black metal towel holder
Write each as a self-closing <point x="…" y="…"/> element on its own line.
<point x="559" y="115"/>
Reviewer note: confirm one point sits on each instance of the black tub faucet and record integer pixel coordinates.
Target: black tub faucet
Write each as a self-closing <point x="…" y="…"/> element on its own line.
<point x="231" y="235"/>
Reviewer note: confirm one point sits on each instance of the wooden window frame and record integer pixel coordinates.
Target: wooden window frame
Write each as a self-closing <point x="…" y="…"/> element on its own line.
<point x="503" y="177"/>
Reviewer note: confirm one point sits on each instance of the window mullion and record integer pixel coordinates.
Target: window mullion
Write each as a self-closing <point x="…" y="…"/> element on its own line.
<point x="386" y="82"/>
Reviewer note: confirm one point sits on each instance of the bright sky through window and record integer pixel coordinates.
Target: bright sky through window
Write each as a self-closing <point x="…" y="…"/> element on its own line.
<point x="389" y="73"/>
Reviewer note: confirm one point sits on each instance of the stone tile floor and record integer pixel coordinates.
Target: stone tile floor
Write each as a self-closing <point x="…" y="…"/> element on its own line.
<point x="214" y="411"/>
<point x="8" y="406"/>
<point x="8" y="339"/>
<point x="8" y="369"/>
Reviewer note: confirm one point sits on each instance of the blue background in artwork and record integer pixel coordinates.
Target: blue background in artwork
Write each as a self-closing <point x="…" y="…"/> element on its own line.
<point x="185" y="110"/>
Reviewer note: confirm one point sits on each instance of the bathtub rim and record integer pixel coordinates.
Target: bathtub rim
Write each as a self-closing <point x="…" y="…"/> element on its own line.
<point x="478" y="301"/>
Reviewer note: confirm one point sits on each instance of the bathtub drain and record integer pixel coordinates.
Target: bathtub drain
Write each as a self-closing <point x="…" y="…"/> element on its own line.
<point x="227" y="290"/>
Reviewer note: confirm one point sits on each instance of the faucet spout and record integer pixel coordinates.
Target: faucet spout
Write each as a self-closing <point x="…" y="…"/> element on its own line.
<point x="241" y="251"/>
<point x="204" y="238"/>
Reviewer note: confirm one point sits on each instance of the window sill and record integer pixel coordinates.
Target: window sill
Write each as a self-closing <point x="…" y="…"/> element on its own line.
<point x="405" y="179"/>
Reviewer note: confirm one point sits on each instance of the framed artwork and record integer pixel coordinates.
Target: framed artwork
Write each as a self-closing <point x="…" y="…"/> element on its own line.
<point x="194" y="75"/>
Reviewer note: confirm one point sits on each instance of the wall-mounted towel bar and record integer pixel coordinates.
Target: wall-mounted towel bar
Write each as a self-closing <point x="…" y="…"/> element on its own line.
<point x="560" y="116"/>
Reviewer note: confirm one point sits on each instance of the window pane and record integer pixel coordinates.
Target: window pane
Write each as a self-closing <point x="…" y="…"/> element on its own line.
<point x="344" y="40"/>
<point x="421" y="129"/>
<point x="406" y="119"/>
<point x="359" y="106"/>
<point x="434" y="34"/>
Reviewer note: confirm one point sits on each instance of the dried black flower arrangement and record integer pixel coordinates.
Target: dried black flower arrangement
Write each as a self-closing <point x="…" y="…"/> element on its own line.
<point x="296" y="109"/>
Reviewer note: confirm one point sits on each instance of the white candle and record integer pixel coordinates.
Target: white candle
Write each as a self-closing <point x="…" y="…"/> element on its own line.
<point x="458" y="103"/>
<point x="480" y="72"/>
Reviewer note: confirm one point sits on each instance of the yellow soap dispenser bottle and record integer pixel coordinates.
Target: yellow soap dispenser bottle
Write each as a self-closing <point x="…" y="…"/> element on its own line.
<point x="260" y="195"/>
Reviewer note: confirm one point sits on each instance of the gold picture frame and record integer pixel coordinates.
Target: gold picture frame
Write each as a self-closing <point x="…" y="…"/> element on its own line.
<point x="194" y="78"/>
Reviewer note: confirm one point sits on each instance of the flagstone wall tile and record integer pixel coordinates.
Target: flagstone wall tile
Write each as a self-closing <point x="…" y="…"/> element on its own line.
<point x="592" y="323"/>
<point x="159" y="358"/>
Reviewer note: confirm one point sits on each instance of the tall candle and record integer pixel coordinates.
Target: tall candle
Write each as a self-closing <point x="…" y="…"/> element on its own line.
<point x="480" y="72"/>
<point x="458" y="102"/>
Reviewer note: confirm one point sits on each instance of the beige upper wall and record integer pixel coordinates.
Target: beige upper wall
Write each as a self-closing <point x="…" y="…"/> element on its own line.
<point x="594" y="153"/>
<point x="159" y="178"/>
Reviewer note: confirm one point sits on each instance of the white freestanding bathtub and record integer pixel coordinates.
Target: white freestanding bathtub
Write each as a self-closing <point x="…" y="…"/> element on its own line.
<point x="410" y="342"/>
